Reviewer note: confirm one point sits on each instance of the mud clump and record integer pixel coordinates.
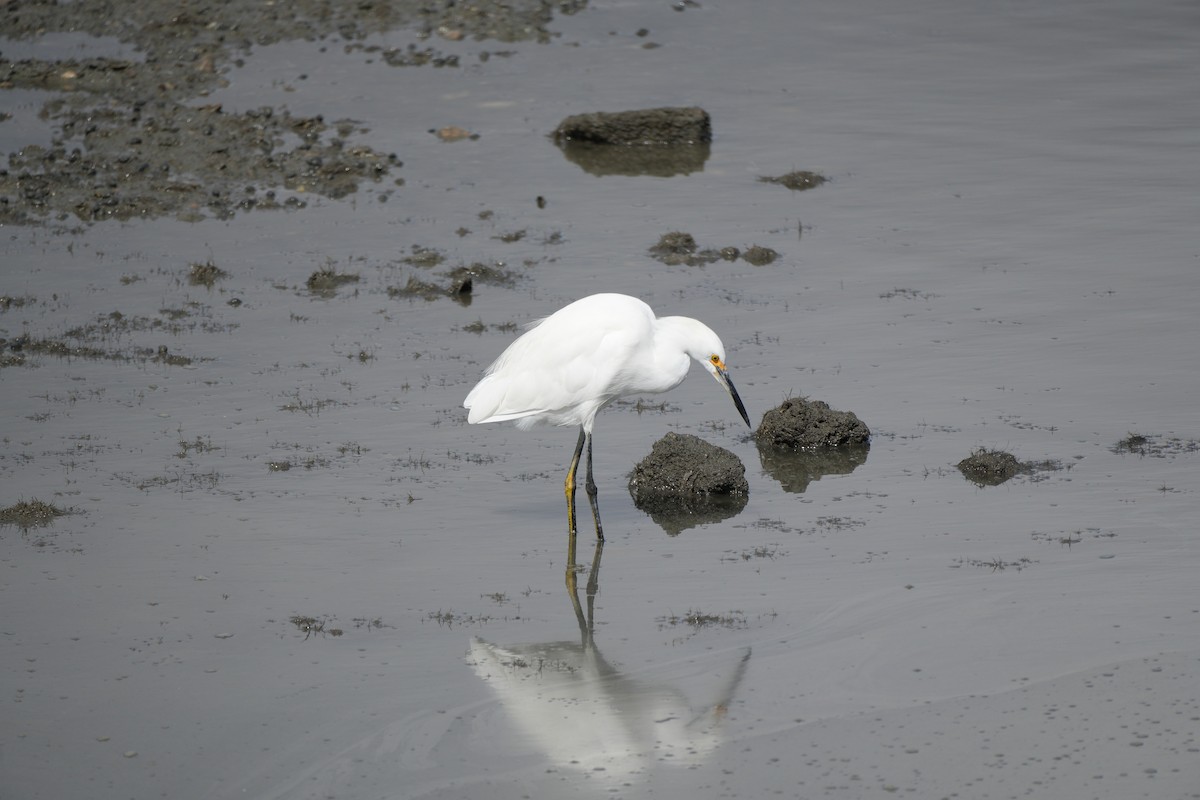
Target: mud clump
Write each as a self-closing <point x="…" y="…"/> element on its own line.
<point x="206" y="274"/>
<point x="458" y="290"/>
<point x="662" y="142"/>
<point x="989" y="467"/>
<point x="676" y="248"/>
<point x="654" y="127"/>
<point x="686" y="481"/>
<point x="459" y="285"/>
<point x="797" y="181"/>
<point x="993" y="467"/>
<point x="802" y="424"/>
<point x="759" y="256"/>
<point x="8" y="301"/>
<point x="1132" y="443"/>
<point x="30" y="514"/>
<point x="325" y="282"/>
<point x="1155" y="445"/>
<point x="682" y="465"/>
<point x="424" y="257"/>
<point x="680" y="248"/>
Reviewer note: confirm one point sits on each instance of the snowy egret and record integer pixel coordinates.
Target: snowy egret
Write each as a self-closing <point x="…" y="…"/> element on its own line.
<point x="576" y="361"/>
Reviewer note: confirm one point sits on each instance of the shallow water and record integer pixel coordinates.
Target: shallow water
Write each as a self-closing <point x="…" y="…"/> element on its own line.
<point x="1005" y="256"/>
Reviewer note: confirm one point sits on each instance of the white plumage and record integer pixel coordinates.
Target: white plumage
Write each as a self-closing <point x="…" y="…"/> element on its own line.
<point x="573" y="363"/>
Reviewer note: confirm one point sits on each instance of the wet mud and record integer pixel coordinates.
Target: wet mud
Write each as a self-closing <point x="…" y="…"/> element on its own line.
<point x="803" y="440"/>
<point x="652" y="127"/>
<point x="986" y="467"/>
<point x="685" y="481"/>
<point x="989" y="467"/>
<point x="802" y="424"/>
<point x="134" y="139"/>
<point x="662" y="142"/>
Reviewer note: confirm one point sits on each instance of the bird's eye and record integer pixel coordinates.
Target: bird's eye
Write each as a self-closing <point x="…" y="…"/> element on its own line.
<point x="714" y="358"/>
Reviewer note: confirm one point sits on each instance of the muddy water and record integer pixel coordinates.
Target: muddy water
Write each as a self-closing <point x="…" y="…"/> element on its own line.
<point x="291" y="569"/>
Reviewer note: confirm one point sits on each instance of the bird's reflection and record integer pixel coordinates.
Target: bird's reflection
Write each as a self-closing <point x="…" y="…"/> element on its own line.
<point x="583" y="713"/>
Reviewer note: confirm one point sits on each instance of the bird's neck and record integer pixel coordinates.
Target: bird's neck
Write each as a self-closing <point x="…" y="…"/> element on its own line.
<point x="672" y="352"/>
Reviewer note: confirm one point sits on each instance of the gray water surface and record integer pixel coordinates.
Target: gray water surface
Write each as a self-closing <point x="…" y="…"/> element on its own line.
<point x="1005" y="256"/>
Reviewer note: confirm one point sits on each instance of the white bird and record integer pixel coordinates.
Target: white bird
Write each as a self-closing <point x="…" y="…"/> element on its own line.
<point x="576" y="361"/>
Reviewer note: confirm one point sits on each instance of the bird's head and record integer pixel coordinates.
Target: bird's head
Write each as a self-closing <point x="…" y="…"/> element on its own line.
<point x="701" y="343"/>
<point x="715" y="364"/>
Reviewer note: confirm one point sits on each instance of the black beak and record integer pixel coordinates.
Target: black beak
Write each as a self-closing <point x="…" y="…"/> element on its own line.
<point x="737" y="401"/>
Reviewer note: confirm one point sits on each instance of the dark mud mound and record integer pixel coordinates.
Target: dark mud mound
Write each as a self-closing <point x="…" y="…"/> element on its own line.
<point x="685" y="481"/>
<point x="803" y="440"/>
<point x="656" y="127"/>
<point x="657" y="141"/>
<point x="989" y="467"/>
<point x="801" y="424"/>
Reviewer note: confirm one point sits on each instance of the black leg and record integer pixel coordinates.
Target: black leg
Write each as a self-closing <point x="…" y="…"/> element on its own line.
<point x="592" y="491"/>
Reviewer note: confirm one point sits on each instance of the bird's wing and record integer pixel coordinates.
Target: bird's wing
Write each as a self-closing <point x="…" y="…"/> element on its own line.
<point x="557" y="367"/>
